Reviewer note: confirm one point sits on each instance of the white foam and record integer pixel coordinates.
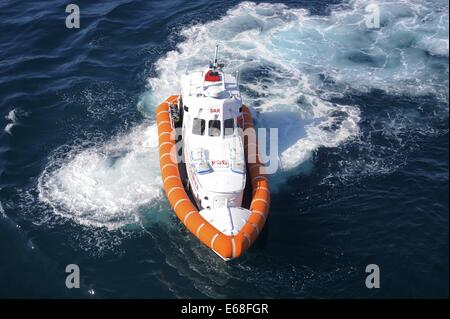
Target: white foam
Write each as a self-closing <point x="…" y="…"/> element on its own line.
<point x="104" y="185"/>
<point x="8" y="128"/>
<point x="2" y="211"/>
<point x="12" y="117"/>
<point x="291" y="64"/>
<point x="272" y="80"/>
<point x="288" y="53"/>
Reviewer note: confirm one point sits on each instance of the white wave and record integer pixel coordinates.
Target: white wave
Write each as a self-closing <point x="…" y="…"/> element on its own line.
<point x="12" y="117"/>
<point x="272" y="82"/>
<point x="104" y="185"/>
<point x="291" y="64"/>
<point x="291" y="55"/>
<point x="293" y="45"/>
<point x="8" y="128"/>
<point x="2" y="211"/>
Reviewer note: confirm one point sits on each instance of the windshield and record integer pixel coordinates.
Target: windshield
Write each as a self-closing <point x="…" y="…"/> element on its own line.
<point x="228" y="126"/>
<point x="198" y="126"/>
<point x="214" y="128"/>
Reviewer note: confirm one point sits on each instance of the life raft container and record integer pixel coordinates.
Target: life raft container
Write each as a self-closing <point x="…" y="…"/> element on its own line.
<point x="226" y="246"/>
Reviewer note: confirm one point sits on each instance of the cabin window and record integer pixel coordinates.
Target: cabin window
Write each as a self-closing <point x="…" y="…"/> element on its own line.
<point x="228" y="126"/>
<point x="198" y="126"/>
<point x="214" y="128"/>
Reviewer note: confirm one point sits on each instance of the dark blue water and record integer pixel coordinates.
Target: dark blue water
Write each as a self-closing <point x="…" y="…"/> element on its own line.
<point x="363" y="119"/>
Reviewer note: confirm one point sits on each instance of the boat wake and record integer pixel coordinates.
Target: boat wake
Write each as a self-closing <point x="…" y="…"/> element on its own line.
<point x="297" y="70"/>
<point x="104" y="184"/>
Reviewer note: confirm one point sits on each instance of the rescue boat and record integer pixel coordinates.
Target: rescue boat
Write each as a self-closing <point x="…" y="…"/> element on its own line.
<point x="210" y="165"/>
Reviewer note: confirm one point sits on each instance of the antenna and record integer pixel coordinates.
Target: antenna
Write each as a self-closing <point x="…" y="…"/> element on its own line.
<point x="215" y="55"/>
